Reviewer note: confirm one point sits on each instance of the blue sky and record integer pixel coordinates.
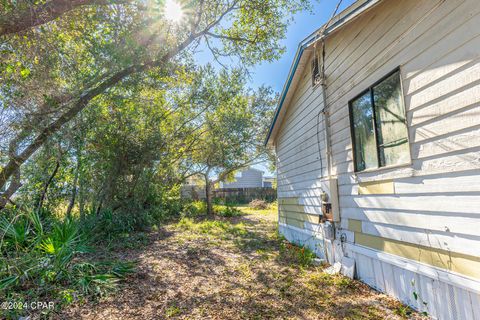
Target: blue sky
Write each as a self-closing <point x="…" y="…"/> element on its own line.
<point x="274" y="74"/>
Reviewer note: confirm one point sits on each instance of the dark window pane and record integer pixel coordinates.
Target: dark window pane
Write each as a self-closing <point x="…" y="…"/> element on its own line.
<point x="390" y="116"/>
<point x="364" y="135"/>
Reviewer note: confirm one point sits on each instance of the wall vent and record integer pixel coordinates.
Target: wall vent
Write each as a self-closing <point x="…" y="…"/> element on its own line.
<point x="316" y="77"/>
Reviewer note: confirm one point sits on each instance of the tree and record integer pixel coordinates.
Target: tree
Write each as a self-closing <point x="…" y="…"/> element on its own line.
<point x="18" y="18"/>
<point x="102" y="47"/>
<point x="232" y="127"/>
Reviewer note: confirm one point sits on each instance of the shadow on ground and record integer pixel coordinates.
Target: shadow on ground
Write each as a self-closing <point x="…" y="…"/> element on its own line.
<point x="230" y="268"/>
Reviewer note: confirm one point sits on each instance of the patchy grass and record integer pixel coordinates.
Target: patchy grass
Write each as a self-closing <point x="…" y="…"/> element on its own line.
<point x="271" y="211"/>
<point x="234" y="268"/>
<point x="212" y="228"/>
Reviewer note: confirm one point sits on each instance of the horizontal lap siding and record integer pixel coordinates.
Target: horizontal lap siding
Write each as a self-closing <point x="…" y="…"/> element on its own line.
<point x="299" y="145"/>
<point x="250" y="178"/>
<point x="436" y="198"/>
<point x="436" y="202"/>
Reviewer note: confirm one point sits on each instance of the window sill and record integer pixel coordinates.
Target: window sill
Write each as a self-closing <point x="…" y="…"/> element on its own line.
<point x="380" y="169"/>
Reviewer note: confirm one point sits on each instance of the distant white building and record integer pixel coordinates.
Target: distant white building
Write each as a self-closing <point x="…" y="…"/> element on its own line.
<point x="248" y="178"/>
<point x="268" y="182"/>
<point x="193" y="188"/>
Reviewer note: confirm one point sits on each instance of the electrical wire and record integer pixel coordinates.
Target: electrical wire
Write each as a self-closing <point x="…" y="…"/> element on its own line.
<point x="321" y="35"/>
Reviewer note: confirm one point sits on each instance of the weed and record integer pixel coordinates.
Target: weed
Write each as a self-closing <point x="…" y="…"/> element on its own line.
<point x="403" y="311"/>
<point x="296" y="255"/>
<point x="345" y="283"/>
<point x="227" y="211"/>
<point x="172" y="311"/>
<point x="213" y="228"/>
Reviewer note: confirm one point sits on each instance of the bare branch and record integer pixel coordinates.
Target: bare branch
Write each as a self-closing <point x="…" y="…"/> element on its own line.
<point x="219" y="36"/>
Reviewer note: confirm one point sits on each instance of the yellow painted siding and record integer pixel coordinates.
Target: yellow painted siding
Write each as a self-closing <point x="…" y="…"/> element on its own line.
<point x="300" y="216"/>
<point x="461" y="263"/>
<point x="376" y="187"/>
<point x="354" y="225"/>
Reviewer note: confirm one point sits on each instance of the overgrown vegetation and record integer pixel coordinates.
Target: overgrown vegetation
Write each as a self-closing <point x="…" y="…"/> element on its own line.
<point x="297" y="255"/>
<point x="235" y="268"/>
<point x="45" y="258"/>
<point x="104" y="113"/>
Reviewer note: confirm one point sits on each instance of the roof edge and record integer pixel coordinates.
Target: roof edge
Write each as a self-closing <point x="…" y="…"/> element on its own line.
<point x="339" y="20"/>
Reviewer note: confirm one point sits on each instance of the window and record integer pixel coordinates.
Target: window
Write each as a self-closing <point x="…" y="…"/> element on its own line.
<point x="379" y="130"/>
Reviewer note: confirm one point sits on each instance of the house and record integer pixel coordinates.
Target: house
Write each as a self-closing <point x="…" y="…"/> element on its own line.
<point x="248" y="178"/>
<point x="377" y="136"/>
<point x="193" y="188"/>
<point x="268" y="182"/>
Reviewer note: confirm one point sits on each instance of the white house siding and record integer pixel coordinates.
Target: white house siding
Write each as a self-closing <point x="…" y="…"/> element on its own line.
<point x="427" y="229"/>
<point x="300" y="172"/>
<point x="251" y="178"/>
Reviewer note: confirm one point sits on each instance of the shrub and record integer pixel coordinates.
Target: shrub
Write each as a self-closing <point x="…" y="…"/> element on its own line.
<point x="258" y="204"/>
<point x="227" y="211"/>
<point x="43" y="258"/>
<point x="194" y="209"/>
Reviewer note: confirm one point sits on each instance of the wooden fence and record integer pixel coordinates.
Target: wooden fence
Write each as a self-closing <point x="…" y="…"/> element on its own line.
<point x="192" y="192"/>
<point x="244" y="195"/>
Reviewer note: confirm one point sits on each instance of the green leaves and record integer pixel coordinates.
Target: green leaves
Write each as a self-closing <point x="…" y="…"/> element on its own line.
<point x="15" y="232"/>
<point x="49" y="263"/>
<point x="100" y="278"/>
<point x="24" y="72"/>
<point x="8" y="281"/>
<point x="232" y="121"/>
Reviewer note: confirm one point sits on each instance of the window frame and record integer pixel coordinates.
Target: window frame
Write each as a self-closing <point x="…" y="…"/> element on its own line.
<point x="375" y="131"/>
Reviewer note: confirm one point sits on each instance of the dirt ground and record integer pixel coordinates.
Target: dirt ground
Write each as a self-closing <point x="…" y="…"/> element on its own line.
<point x="233" y="268"/>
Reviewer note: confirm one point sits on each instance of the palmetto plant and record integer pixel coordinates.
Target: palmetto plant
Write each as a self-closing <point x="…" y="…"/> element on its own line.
<point x="63" y="242"/>
<point x="37" y="249"/>
<point x="15" y="232"/>
<point x="99" y="278"/>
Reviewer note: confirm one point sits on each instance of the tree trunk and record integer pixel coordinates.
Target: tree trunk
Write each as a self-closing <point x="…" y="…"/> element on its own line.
<point x="15" y="184"/>
<point x="47" y="184"/>
<point x="74" y="187"/>
<point x="208" y="195"/>
<point x="79" y="103"/>
<point x="81" y="197"/>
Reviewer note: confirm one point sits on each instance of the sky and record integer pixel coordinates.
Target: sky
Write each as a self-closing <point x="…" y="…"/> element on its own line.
<point x="274" y="74"/>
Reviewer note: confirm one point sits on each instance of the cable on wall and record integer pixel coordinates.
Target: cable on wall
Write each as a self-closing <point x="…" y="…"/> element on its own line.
<point x="321" y="36"/>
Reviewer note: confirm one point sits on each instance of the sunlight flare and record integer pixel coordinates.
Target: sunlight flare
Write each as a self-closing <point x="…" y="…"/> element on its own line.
<point x="173" y="11"/>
